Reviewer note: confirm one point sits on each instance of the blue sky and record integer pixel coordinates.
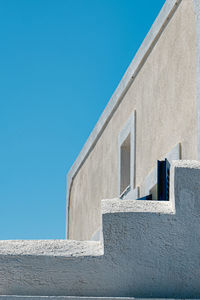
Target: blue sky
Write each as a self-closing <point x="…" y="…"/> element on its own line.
<point x="60" y="62"/>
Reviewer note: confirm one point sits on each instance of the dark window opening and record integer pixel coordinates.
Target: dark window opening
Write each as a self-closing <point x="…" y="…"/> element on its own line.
<point x="125" y="159"/>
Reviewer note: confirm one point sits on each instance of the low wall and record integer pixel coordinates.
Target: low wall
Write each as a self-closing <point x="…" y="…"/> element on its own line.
<point x="150" y="249"/>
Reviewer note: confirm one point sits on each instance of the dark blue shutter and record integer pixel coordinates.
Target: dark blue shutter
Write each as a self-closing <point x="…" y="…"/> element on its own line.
<point x="163" y="177"/>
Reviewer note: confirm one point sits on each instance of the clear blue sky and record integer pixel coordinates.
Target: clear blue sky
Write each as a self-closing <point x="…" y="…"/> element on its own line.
<point x="60" y="62"/>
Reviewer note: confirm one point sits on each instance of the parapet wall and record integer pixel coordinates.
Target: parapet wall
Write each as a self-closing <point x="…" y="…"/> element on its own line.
<point x="150" y="249"/>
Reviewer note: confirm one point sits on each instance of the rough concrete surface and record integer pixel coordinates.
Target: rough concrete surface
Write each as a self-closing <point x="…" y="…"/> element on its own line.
<point x="151" y="249"/>
<point x="163" y="94"/>
<point x="66" y="248"/>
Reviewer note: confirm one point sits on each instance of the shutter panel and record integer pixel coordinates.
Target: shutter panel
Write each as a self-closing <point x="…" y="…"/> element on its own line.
<point x="163" y="179"/>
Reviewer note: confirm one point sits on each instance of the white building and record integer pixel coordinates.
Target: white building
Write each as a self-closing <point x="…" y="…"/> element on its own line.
<point x="152" y="115"/>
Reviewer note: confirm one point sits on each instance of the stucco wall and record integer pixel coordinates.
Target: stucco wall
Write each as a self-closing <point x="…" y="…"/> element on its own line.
<point x="164" y="97"/>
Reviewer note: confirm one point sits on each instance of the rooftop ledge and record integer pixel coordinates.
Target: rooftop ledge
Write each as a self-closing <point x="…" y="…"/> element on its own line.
<point x="66" y="248"/>
<point x="73" y="248"/>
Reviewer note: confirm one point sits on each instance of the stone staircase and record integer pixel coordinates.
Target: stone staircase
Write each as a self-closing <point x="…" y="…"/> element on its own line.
<point x="150" y="249"/>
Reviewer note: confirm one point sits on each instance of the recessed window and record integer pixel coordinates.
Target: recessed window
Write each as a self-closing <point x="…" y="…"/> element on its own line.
<point x="125" y="165"/>
<point x="126" y="158"/>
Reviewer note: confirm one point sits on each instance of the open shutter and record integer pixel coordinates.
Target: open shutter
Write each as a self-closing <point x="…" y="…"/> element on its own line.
<point x="163" y="177"/>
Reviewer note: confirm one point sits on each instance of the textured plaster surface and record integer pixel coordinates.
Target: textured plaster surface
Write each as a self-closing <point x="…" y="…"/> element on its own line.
<point x="164" y="96"/>
<point x="116" y="206"/>
<point x="66" y="248"/>
<point x="151" y="249"/>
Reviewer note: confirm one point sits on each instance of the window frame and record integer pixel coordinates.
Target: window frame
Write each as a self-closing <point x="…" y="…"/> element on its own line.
<point x="129" y="128"/>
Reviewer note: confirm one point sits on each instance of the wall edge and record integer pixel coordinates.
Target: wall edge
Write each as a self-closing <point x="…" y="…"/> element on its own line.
<point x="197" y="14"/>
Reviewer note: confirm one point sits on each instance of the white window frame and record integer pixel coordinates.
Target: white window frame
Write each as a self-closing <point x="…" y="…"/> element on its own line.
<point x="128" y="129"/>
